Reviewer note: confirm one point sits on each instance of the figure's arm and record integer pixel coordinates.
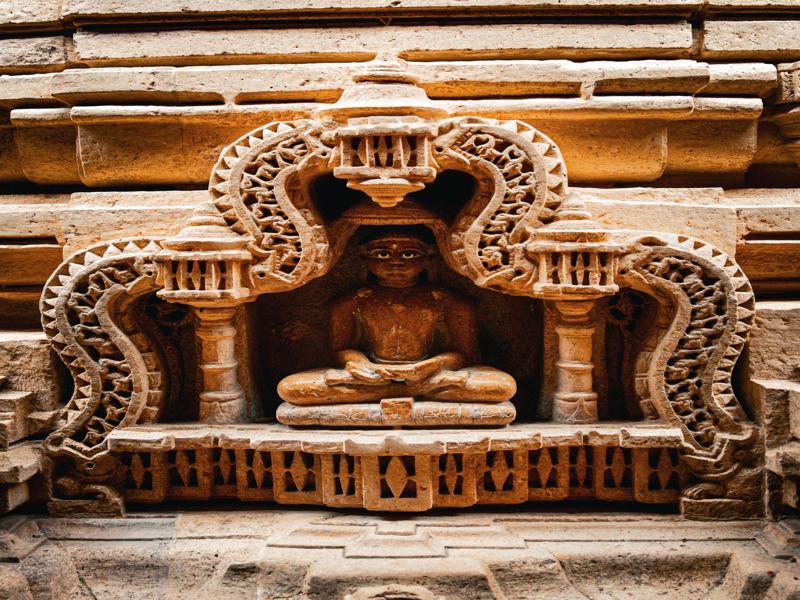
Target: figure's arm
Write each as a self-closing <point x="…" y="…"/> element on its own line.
<point x="342" y="332"/>
<point x="462" y="324"/>
<point x="344" y="341"/>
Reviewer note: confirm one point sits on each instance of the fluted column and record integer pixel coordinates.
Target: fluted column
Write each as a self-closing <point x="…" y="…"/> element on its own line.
<point x="574" y="400"/>
<point x="222" y="399"/>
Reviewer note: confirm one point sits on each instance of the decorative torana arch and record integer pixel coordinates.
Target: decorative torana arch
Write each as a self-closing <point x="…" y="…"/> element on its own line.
<point x="522" y="233"/>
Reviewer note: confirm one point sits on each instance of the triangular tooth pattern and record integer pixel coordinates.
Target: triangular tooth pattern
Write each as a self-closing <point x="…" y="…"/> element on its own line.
<point x="254" y="141"/>
<point x="241" y="150"/>
<point x="152" y="246"/>
<point x="83" y="375"/>
<point x="86" y="390"/>
<point x="130" y="247"/>
<point x="284" y="127"/>
<point x="742" y="327"/>
<point x="56" y="290"/>
<point x="736" y="340"/>
<point x="51" y="324"/>
<point x="59" y="339"/>
<point x="112" y="250"/>
<point x="90" y="257"/>
<point x="230" y="161"/>
<point x="225" y="174"/>
<point x="743" y="297"/>
<point x="64" y="279"/>
<point x="738" y="282"/>
<point x="51" y="301"/>
<point x="75" y="268"/>
<point x="541" y="148"/>
<point x="221" y="188"/>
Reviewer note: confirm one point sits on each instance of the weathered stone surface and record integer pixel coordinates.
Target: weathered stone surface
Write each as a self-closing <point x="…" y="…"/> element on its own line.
<point x="263" y="553"/>
<point x="671" y="40"/>
<point x="31" y="54"/>
<point x="37" y="14"/>
<point x="776" y="341"/>
<point x="774" y="40"/>
<point x="85" y="220"/>
<point x="27" y="360"/>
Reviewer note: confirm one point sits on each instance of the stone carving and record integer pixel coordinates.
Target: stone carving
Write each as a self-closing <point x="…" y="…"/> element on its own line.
<point x="521" y="233"/>
<point x="254" y="186"/>
<point x="710" y="308"/>
<point x="118" y="371"/>
<point x="399" y="338"/>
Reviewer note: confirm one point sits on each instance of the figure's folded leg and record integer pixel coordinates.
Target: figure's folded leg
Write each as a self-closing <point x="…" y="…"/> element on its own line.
<point x="311" y="388"/>
<point x="474" y="384"/>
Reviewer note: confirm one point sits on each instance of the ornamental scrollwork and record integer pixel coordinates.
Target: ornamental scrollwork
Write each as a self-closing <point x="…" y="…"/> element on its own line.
<point x="706" y="312"/>
<point x="120" y="374"/>
<point x="253" y="186"/>
<point x="523" y="182"/>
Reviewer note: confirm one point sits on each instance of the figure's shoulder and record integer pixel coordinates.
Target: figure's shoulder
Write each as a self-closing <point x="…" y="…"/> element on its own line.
<point x="349" y="300"/>
<point x="450" y="297"/>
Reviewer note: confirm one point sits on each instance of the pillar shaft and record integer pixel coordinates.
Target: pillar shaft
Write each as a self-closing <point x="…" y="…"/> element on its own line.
<point x="574" y="400"/>
<point x="222" y="399"/>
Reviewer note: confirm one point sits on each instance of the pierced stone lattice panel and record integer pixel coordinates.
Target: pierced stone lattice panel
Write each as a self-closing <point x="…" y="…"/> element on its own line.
<point x="399" y="483"/>
<point x="405" y="482"/>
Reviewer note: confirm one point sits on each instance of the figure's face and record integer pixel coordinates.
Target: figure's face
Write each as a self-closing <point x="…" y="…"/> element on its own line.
<point x="396" y="261"/>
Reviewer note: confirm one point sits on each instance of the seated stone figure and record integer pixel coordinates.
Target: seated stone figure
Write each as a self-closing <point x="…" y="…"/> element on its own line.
<point x="401" y="336"/>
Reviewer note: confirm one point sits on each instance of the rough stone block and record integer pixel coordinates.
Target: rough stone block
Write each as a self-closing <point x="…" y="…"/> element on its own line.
<point x="30" y="365"/>
<point x="94" y="216"/>
<point x="775" y="341"/>
<point x="749" y="40"/>
<point x="29" y="13"/>
<point x="27" y="55"/>
<point x="669" y="40"/>
<point x="46" y="143"/>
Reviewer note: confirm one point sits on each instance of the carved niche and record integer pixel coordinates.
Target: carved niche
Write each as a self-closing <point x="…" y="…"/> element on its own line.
<point x="522" y="233"/>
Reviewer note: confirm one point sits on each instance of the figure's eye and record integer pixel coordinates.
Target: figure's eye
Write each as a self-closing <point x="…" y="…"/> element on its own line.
<point x="409" y="254"/>
<point x="380" y="253"/>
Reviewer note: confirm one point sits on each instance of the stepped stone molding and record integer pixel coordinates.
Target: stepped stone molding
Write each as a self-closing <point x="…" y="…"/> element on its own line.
<point x="521" y="234"/>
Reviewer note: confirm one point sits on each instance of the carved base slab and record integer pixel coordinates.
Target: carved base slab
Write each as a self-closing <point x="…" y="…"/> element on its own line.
<point x="402" y="470"/>
<point x="398" y="412"/>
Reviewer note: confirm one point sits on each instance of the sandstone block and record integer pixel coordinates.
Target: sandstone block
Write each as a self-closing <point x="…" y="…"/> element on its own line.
<point x="30" y="215"/>
<point x="31" y="366"/>
<point x="27" y="55"/>
<point x="29" y="13"/>
<point x="28" y="264"/>
<point x="46" y="144"/>
<point x="94" y="216"/>
<point x="714" y="224"/>
<point x="775" y="341"/>
<point x="748" y="40"/>
<point x="670" y="40"/>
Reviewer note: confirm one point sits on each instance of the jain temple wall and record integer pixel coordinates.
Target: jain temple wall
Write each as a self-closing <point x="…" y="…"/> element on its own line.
<point x="410" y="299"/>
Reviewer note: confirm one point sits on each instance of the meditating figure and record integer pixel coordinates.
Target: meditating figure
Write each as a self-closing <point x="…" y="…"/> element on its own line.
<point x="400" y="336"/>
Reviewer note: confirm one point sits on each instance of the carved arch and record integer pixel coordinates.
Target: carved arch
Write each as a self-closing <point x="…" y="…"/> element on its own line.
<point x="523" y="182"/>
<point x="254" y="186"/>
<point x="118" y="372"/>
<point x="707" y="309"/>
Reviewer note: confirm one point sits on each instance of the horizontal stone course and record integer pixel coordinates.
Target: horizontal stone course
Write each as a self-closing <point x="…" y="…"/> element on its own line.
<point x="774" y="40"/>
<point x="672" y="40"/>
<point x="33" y="54"/>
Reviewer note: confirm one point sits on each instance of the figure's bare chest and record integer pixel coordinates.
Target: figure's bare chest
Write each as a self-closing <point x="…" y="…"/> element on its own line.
<point x="420" y="313"/>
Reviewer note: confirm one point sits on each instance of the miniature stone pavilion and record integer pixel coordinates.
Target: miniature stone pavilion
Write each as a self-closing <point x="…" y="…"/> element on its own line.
<point x="396" y="317"/>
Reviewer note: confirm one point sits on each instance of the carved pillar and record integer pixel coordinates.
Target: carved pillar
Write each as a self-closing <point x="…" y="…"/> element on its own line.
<point x="221" y="398"/>
<point x="574" y="400"/>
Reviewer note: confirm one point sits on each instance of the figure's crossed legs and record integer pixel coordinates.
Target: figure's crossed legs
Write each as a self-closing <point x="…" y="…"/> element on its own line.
<point x="338" y="386"/>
